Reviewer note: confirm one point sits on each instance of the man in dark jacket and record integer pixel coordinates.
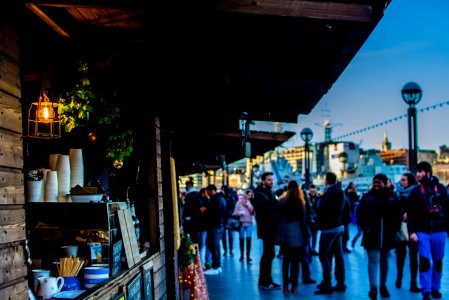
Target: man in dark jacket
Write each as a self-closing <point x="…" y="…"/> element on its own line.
<point x="427" y="222"/>
<point x="265" y="206"/>
<point x="189" y="203"/>
<point x="329" y="220"/>
<point x="379" y="214"/>
<point x="216" y="210"/>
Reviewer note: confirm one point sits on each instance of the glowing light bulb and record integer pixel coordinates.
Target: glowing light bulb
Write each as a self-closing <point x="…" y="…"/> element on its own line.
<point x="46" y="114"/>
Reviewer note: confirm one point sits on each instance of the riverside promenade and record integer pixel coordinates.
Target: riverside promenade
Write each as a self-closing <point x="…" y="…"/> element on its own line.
<point x="239" y="279"/>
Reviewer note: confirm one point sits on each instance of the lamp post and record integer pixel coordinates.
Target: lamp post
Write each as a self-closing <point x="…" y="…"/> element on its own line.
<point x="306" y="136"/>
<point x="412" y="93"/>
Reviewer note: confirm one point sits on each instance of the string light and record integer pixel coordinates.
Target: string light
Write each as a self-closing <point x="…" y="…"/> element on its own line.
<point x="380" y="124"/>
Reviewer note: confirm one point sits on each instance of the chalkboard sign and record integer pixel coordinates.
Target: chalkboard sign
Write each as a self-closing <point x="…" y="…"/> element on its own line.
<point x="116" y="258"/>
<point x="147" y="276"/>
<point x="134" y="288"/>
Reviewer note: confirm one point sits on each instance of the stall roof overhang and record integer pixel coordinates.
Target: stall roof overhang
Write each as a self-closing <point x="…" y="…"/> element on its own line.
<point x="228" y="56"/>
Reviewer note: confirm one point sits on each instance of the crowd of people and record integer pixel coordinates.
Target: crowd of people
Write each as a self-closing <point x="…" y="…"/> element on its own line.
<point x="411" y="215"/>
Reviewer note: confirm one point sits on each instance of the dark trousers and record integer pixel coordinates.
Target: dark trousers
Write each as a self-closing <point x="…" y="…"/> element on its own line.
<point x="224" y="241"/>
<point x="314" y="236"/>
<point x="331" y="246"/>
<point x="401" y="252"/>
<point x="290" y="265"/>
<point x="306" y="260"/>
<point x="266" y="261"/>
<point x="213" y="238"/>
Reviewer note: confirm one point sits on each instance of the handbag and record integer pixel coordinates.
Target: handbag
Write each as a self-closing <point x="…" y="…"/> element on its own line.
<point x="403" y="232"/>
<point x="233" y="224"/>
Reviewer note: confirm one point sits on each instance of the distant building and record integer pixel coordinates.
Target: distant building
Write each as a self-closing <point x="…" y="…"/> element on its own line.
<point x="427" y="155"/>
<point x="343" y="158"/>
<point x="441" y="170"/>
<point x="395" y="157"/>
<point x="443" y="154"/>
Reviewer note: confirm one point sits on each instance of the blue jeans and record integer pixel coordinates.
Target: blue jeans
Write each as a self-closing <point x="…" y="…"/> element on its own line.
<point x="205" y="254"/>
<point x="431" y="245"/>
<point x="246" y="231"/>
<point x="376" y="259"/>
<point x="213" y="238"/>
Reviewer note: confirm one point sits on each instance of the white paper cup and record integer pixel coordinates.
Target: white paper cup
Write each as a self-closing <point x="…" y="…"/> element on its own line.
<point x="51" y="187"/>
<point x="34" y="190"/>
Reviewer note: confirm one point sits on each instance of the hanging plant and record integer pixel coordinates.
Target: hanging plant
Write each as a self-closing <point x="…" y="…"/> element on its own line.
<point x="120" y="145"/>
<point x="81" y="101"/>
<point x="75" y="107"/>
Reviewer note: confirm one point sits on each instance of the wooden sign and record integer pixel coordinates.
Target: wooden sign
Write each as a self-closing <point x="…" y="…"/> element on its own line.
<point x="134" y="288"/>
<point x="129" y="236"/>
<point x="125" y="238"/>
<point x="132" y="236"/>
<point x="116" y="265"/>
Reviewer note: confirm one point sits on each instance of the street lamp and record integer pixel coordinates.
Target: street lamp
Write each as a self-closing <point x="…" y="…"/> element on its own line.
<point x="412" y="93"/>
<point x="306" y="136"/>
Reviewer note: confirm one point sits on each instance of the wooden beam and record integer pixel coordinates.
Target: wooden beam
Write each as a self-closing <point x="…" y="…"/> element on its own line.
<point x="101" y="4"/>
<point x="299" y="8"/>
<point x="47" y="20"/>
<point x="255" y="135"/>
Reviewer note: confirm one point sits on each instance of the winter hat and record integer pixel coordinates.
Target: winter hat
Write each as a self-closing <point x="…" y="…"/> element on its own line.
<point x="381" y="177"/>
<point x="424" y="166"/>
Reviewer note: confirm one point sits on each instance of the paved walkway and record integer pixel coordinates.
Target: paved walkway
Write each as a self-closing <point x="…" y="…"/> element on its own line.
<point x="239" y="279"/>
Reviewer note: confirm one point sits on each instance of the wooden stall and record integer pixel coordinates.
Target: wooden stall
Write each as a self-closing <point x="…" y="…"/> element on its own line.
<point x="13" y="283"/>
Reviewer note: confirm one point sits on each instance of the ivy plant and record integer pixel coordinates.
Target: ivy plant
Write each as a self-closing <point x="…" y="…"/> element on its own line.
<point x="75" y="106"/>
<point x="79" y="102"/>
<point x="120" y="145"/>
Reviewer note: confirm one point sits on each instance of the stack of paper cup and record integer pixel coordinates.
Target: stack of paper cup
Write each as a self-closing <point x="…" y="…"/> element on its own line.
<point x="52" y="160"/>
<point x="51" y="187"/>
<point x="76" y="167"/>
<point x="63" y="169"/>
<point x="34" y="190"/>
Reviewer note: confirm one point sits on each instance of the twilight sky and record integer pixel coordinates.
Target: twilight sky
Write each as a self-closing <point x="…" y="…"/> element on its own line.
<point x="410" y="43"/>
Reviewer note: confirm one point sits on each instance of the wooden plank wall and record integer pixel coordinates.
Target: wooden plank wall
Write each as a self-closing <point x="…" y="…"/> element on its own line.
<point x="13" y="282"/>
<point x="159" y="265"/>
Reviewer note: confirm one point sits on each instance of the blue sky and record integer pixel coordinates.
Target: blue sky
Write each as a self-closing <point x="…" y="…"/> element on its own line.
<point x="410" y="43"/>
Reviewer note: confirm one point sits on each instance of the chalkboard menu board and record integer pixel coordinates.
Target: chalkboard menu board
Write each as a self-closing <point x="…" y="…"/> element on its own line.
<point x="147" y="276"/>
<point x="134" y="288"/>
<point x="116" y="264"/>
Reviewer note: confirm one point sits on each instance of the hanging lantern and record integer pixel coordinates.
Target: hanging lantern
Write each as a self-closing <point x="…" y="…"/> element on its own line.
<point x="43" y="119"/>
<point x="118" y="164"/>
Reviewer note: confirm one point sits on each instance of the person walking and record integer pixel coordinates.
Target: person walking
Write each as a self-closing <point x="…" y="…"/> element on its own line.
<point x="227" y="233"/>
<point x="216" y="210"/>
<point x="265" y="206"/>
<point x="313" y="199"/>
<point x="379" y="214"/>
<point x="427" y="223"/>
<point x="406" y="184"/>
<point x="187" y="211"/>
<point x="200" y="225"/>
<point x="292" y="219"/>
<point x="329" y="220"/>
<point x="245" y="211"/>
